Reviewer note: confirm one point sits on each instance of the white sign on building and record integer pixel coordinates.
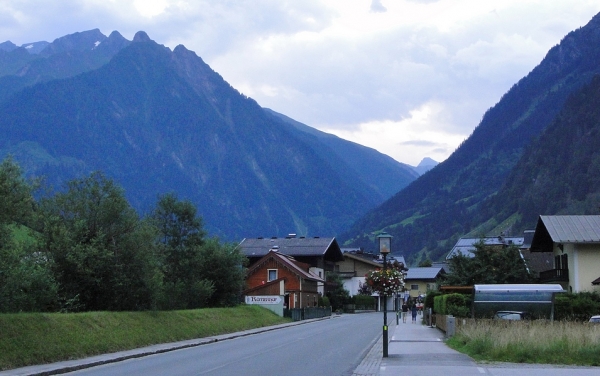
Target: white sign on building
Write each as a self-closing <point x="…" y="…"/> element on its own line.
<point x="263" y="299"/>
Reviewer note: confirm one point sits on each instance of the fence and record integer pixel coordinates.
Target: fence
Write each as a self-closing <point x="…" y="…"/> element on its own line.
<point x="297" y="314"/>
<point x="358" y="308"/>
<point x="439" y="321"/>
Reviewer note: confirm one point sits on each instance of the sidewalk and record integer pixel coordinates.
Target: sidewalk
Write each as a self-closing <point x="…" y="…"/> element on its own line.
<point x="415" y="349"/>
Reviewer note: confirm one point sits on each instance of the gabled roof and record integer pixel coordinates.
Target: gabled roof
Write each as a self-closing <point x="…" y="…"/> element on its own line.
<point x="466" y="246"/>
<point x="572" y="228"/>
<point x="368" y="261"/>
<point x="327" y="248"/>
<point x="374" y="257"/>
<point x="537" y="262"/>
<point x="441" y="264"/>
<point x="287" y="261"/>
<point x="423" y="273"/>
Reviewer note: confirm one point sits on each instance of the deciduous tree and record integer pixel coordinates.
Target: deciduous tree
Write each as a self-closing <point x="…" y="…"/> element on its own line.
<point x="105" y="257"/>
<point x="26" y="281"/>
<point x="489" y="265"/>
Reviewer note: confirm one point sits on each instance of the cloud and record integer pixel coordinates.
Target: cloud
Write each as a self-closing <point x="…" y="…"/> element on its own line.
<point x="424" y="129"/>
<point x="393" y="75"/>
<point x="377" y="7"/>
<point x="418" y="143"/>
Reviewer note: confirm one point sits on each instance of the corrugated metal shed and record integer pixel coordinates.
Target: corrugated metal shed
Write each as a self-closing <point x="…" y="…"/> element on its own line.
<point x="572" y="228"/>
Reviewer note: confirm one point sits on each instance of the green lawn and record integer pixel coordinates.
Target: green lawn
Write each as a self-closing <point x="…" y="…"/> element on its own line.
<point x="37" y="338"/>
<point x="537" y="341"/>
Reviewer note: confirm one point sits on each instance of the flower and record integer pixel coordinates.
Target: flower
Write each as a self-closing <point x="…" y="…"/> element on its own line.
<point x="385" y="282"/>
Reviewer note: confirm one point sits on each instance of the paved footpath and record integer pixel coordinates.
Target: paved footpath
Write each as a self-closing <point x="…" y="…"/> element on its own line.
<point x="419" y="350"/>
<point x="416" y="349"/>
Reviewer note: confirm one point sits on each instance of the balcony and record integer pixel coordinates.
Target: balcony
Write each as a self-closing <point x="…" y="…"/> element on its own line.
<point x="346" y="275"/>
<point x="554" y="275"/>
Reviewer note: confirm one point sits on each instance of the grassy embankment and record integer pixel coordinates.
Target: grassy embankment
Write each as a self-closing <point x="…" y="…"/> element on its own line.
<point x="37" y="338"/>
<point x="541" y="342"/>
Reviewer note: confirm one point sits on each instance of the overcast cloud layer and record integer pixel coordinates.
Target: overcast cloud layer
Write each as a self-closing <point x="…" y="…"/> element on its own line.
<point x="410" y="78"/>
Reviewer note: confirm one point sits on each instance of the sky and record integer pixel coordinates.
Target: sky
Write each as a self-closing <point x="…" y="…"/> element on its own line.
<point x="410" y="78"/>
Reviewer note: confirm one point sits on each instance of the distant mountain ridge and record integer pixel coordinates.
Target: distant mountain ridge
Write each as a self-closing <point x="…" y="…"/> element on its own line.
<point x="425" y="165"/>
<point x="366" y="162"/>
<point x="455" y="198"/>
<point x="32" y="48"/>
<point x="159" y="121"/>
<point x="65" y="57"/>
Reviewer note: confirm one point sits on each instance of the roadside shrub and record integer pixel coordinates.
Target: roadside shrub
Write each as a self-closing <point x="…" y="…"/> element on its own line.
<point x="324" y="301"/>
<point x="457" y="305"/>
<point x="364" y="302"/>
<point x="439" y="305"/>
<point x="577" y="306"/>
<point x="430" y="297"/>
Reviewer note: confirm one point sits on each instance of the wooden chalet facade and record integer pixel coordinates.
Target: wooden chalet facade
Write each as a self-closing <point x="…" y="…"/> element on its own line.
<point x="320" y="254"/>
<point x="279" y="274"/>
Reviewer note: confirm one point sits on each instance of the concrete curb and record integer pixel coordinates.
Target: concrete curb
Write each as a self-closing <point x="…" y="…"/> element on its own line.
<point x="79" y="364"/>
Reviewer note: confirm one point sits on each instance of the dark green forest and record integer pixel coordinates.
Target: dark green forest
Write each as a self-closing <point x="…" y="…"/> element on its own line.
<point x="84" y="248"/>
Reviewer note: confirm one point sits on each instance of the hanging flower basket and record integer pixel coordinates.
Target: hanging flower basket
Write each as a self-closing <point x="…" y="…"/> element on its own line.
<point x="385" y="283"/>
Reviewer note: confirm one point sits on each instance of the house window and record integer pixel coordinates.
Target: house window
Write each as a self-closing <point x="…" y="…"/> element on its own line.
<point x="271" y="275"/>
<point x="414" y="287"/>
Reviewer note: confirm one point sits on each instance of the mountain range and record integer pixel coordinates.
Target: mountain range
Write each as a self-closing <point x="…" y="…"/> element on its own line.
<point x="158" y="121"/>
<point x="533" y="153"/>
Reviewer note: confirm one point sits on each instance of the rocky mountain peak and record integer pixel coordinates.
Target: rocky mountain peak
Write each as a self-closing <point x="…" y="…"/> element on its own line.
<point x="81" y="41"/>
<point x="141" y="36"/>
<point x="7" y="46"/>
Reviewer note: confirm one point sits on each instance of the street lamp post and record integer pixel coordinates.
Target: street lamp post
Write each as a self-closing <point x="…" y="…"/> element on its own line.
<point x="385" y="241"/>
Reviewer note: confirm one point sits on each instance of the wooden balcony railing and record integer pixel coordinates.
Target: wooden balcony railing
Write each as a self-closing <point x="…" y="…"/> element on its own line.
<point x="554" y="275"/>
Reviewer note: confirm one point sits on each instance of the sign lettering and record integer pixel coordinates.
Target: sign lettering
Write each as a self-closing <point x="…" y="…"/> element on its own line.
<point x="263" y="299"/>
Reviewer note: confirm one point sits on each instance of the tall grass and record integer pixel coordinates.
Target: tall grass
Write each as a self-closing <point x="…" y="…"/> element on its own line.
<point x="535" y="341"/>
<point x="37" y="338"/>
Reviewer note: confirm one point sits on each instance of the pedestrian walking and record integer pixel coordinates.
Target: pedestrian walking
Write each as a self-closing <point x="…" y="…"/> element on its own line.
<point x="404" y="312"/>
<point x="414" y="313"/>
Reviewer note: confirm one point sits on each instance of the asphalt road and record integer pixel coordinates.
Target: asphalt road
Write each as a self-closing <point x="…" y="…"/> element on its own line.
<point x="328" y="347"/>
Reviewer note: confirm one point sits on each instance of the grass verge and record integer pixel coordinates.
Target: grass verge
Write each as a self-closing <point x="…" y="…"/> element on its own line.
<point x="38" y="338"/>
<point x="541" y="342"/>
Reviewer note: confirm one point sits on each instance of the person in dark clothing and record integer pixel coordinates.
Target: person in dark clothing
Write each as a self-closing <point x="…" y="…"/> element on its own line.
<point x="413" y="310"/>
<point x="404" y="312"/>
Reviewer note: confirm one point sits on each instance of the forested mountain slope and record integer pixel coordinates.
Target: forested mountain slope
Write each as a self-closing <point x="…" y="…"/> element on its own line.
<point x="159" y="121"/>
<point x="428" y="216"/>
<point x="559" y="172"/>
<point x="362" y="161"/>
